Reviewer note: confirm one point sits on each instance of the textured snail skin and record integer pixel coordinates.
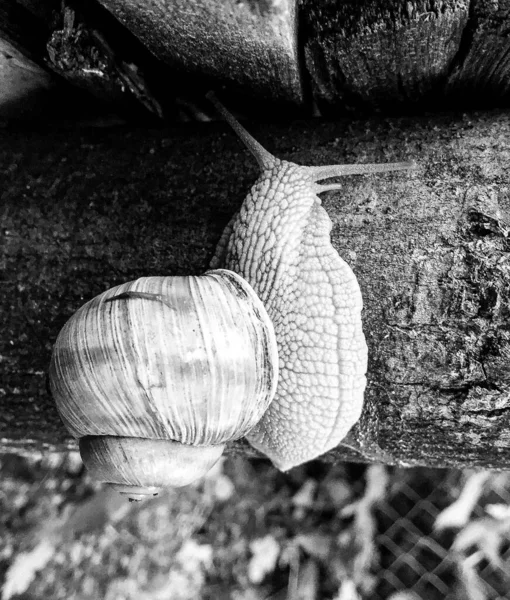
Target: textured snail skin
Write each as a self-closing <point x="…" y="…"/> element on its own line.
<point x="279" y="241"/>
<point x="156" y="375"/>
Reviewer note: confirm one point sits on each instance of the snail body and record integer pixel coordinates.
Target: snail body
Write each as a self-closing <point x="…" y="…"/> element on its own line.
<point x="279" y="241"/>
<point x="154" y="377"/>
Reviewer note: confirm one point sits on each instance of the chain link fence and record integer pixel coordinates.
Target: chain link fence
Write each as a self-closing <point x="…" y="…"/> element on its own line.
<point x="348" y="532"/>
<point x="466" y="558"/>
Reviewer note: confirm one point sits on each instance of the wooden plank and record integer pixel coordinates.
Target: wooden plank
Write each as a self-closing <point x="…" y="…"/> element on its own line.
<point x="481" y="74"/>
<point x="26" y="26"/>
<point x="247" y="46"/>
<point x="84" y="210"/>
<point x="389" y="55"/>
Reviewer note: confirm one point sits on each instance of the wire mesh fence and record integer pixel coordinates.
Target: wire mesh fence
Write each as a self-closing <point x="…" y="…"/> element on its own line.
<point x="348" y="532"/>
<point x="467" y="558"/>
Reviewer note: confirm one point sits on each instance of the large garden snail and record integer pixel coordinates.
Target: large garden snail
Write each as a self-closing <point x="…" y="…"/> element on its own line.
<point x="156" y="375"/>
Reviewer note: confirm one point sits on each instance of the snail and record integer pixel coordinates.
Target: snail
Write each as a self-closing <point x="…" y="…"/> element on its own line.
<point x="155" y="376"/>
<point x="279" y="241"/>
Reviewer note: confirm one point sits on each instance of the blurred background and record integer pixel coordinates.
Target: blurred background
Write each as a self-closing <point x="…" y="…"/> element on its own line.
<point x="250" y="533"/>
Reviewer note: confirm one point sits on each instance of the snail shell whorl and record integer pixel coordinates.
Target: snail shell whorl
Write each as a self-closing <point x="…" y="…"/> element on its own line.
<point x="188" y="360"/>
<point x="138" y="467"/>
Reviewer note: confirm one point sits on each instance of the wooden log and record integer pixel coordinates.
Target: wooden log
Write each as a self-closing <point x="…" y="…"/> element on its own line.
<point x="481" y="71"/>
<point x="247" y="46"/>
<point x="389" y="55"/>
<point x="84" y="210"/>
<point x="384" y="55"/>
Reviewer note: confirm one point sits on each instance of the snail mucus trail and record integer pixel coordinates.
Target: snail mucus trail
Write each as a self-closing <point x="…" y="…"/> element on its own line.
<point x="155" y="376"/>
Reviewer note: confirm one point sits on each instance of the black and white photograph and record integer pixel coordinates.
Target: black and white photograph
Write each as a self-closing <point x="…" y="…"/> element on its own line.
<point x="254" y="299"/>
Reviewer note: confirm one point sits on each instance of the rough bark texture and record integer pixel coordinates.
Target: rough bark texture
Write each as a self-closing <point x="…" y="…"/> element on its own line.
<point x="482" y="67"/>
<point x="250" y="46"/>
<point x="383" y="54"/>
<point x="94" y="53"/>
<point x="82" y="211"/>
<point x="158" y="58"/>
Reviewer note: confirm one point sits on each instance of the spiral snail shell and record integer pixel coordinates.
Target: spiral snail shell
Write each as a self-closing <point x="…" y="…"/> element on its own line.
<point x="156" y="375"/>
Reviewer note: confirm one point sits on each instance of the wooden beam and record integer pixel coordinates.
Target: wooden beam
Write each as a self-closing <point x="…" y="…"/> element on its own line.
<point x="93" y="53"/>
<point x="84" y="210"/>
<point x="387" y="55"/>
<point x="247" y="46"/>
<point x="482" y="68"/>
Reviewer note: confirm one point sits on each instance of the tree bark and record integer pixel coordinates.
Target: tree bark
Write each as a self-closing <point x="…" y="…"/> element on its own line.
<point x="84" y="210"/>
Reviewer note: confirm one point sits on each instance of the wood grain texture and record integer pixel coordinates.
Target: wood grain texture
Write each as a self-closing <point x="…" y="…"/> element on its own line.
<point x="82" y="211"/>
<point x="149" y="59"/>
<point x="388" y="55"/>
<point x="248" y="45"/>
<point x="481" y="71"/>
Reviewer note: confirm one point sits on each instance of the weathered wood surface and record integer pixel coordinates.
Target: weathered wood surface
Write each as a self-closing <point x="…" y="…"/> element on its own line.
<point x="85" y="210"/>
<point x="384" y="54"/>
<point x="391" y="56"/>
<point x="482" y="66"/>
<point x="250" y="46"/>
